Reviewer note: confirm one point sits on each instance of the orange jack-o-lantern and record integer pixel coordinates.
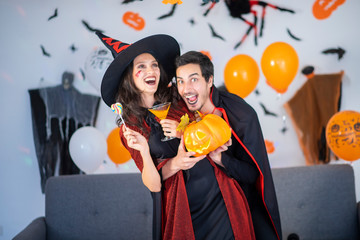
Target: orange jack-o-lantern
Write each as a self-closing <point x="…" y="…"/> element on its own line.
<point x="134" y="20"/>
<point x="343" y="135"/>
<point x="206" y="135"/>
<point x="324" y="8"/>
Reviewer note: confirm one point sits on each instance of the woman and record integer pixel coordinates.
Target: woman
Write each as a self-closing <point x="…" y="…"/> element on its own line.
<point x="139" y="78"/>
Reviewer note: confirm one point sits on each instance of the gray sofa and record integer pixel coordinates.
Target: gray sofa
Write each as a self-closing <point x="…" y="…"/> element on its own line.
<point x="316" y="202"/>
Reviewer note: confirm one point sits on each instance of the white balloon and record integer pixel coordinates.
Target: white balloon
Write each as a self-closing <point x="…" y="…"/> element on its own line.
<point x="88" y="148"/>
<point x="96" y="64"/>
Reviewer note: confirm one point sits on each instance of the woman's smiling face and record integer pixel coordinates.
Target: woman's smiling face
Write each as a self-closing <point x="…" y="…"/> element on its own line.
<point x="146" y="73"/>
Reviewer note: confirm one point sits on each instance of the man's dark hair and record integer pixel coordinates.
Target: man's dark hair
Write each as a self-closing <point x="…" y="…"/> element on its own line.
<point x="206" y="66"/>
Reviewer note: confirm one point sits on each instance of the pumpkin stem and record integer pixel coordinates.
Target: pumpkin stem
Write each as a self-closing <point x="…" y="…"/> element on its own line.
<point x="198" y="116"/>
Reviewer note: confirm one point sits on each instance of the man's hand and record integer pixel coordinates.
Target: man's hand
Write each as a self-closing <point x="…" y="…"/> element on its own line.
<point x="169" y="127"/>
<point x="216" y="154"/>
<point x="183" y="161"/>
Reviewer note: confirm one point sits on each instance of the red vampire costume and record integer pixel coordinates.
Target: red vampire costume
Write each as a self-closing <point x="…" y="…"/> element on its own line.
<point x="201" y="202"/>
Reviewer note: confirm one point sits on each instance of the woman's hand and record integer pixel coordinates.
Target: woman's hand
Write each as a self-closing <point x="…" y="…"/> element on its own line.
<point x="169" y="127"/>
<point x="135" y="140"/>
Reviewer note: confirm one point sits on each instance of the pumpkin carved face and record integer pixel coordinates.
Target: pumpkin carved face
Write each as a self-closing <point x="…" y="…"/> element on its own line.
<point x="134" y="20"/>
<point x="343" y="135"/>
<point x="324" y="8"/>
<point x="206" y="135"/>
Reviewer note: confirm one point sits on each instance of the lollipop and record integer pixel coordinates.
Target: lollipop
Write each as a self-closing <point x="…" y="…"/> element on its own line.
<point x="118" y="109"/>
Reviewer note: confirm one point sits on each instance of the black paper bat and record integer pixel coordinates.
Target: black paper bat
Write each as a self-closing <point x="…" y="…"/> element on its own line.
<point x="44" y="52"/>
<point x="129" y="1"/>
<point x="267" y="112"/>
<point x="257" y="92"/>
<point x="91" y="29"/>
<point x="73" y="48"/>
<point x="292" y="35"/>
<point x="339" y="51"/>
<point x="168" y="14"/>
<point x="283" y="130"/>
<point x="54" y="15"/>
<point x="214" y="34"/>
<point x="82" y="73"/>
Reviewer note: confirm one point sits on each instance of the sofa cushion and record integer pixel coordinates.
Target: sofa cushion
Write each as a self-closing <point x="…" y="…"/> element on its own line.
<point x="109" y="206"/>
<point x="317" y="202"/>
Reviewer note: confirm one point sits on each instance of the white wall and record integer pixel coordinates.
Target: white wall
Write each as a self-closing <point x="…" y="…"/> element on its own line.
<point x="24" y="27"/>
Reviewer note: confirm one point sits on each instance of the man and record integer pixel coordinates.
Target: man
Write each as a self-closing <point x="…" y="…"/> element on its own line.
<point x="194" y="76"/>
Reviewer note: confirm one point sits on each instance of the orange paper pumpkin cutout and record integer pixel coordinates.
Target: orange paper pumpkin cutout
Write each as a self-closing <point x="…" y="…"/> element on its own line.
<point x="279" y="64"/>
<point x="343" y="135"/>
<point x="134" y="20"/>
<point x="270" y="148"/>
<point x="116" y="150"/>
<point x="207" y="54"/>
<point x="322" y="9"/>
<point x="241" y="75"/>
<point x="206" y="135"/>
<point x="172" y="1"/>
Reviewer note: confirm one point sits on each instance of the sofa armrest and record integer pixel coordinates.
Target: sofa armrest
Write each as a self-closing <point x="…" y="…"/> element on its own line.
<point x="35" y="230"/>
<point x="358" y="214"/>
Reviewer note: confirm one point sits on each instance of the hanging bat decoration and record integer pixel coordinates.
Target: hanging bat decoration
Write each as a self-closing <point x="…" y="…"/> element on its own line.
<point x="54" y="15"/>
<point x="214" y="1"/>
<point x="73" y="48"/>
<point x="170" y="13"/>
<point x="129" y="1"/>
<point x="239" y="8"/>
<point x="283" y="130"/>
<point x="82" y="73"/>
<point x="44" y="52"/>
<point x="339" y="51"/>
<point x="292" y="35"/>
<point x="91" y="29"/>
<point x="266" y="111"/>
<point x="214" y="34"/>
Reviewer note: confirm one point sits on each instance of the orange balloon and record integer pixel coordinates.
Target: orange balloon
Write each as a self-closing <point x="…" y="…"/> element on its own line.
<point x="343" y="135"/>
<point x="279" y="64"/>
<point x="241" y="75"/>
<point x="115" y="149"/>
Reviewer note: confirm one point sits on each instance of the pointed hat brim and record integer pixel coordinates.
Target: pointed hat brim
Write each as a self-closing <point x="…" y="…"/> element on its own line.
<point x="163" y="47"/>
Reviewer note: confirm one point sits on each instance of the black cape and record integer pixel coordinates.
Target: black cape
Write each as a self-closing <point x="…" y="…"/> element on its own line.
<point x="250" y="145"/>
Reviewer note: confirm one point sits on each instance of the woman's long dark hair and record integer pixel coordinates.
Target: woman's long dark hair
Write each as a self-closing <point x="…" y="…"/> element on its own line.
<point x="130" y="97"/>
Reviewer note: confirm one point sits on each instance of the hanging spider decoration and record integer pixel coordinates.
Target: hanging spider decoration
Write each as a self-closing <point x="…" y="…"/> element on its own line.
<point x="238" y="8"/>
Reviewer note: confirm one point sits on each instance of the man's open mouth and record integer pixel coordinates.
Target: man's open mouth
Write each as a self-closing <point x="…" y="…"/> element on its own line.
<point x="192" y="99"/>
